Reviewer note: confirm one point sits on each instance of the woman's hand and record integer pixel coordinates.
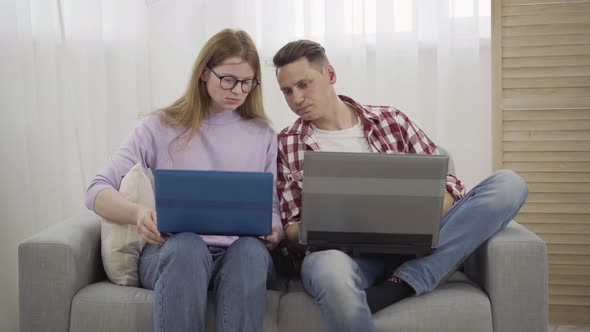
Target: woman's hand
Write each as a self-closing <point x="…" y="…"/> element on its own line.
<point x="272" y="241"/>
<point x="147" y="226"/>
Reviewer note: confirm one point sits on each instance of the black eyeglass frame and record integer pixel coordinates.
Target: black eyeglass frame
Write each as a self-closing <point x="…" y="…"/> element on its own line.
<point x="255" y="82"/>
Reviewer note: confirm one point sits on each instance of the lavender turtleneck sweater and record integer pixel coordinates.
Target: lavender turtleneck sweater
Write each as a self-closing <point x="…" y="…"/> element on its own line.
<point x="225" y="142"/>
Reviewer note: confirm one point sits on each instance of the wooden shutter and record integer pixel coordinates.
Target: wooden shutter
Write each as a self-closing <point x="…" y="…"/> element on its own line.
<point x="541" y="129"/>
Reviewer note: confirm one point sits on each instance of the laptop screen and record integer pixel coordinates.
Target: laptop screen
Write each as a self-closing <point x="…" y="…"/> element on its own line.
<point x="380" y="202"/>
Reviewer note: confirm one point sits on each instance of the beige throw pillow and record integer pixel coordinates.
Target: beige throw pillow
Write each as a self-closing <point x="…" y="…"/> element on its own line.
<point x="121" y="245"/>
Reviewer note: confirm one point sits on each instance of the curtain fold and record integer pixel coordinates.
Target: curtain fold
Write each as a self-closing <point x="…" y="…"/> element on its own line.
<point x="76" y="75"/>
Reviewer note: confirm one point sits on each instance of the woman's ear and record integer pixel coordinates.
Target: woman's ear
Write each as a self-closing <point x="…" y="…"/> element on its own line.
<point x="205" y="75"/>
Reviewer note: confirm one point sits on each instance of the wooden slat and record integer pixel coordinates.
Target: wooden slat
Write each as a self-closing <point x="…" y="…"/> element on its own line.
<point x="563" y="279"/>
<point x="543" y="30"/>
<point x="572" y="249"/>
<point x="566" y="39"/>
<point x="545" y="82"/>
<point x="569" y="300"/>
<point x="562" y="228"/>
<point x="559" y="71"/>
<point x="548" y="146"/>
<point x="520" y="20"/>
<point x="545" y="92"/>
<point x="575" y="290"/>
<point x="547" y="9"/>
<point x="537" y="2"/>
<point x="519" y="156"/>
<point x="552" y="50"/>
<point x="552" y="125"/>
<point x="569" y="259"/>
<point x="566" y="239"/>
<point x="556" y="207"/>
<point x="549" y="61"/>
<point x="560" y="188"/>
<point x="568" y="218"/>
<point x="547" y="156"/>
<point x="547" y="114"/>
<point x="552" y="177"/>
<point x="549" y="102"/>
<point x="571" y="198"/>
<point x="568" y="269"/>
<point x="519" y="136"/>
<point x="569" y="315"/>
<point x="548" y="166"/>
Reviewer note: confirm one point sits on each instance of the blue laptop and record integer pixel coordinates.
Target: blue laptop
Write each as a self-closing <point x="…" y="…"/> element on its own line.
<point x="214" y="202"/>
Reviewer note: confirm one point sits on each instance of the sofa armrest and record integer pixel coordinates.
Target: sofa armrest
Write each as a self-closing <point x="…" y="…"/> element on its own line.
<point x="511" y="267"/>
<point x="52" y="266"/>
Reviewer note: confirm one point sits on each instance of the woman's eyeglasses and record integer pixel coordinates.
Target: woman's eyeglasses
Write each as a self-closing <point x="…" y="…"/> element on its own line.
<point x="229" y="82"/>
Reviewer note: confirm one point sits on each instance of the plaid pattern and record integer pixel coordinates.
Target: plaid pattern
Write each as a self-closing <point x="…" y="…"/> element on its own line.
<point x="387" y="130"/>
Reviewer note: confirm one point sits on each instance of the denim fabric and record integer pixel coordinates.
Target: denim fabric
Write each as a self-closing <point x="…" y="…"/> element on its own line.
<point x="181" y="271"/>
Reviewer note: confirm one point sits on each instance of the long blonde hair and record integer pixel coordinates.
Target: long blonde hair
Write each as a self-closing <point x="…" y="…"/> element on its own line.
<point x="190" y="109"/>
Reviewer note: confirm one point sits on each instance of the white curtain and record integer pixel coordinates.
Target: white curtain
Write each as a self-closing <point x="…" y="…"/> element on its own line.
<point x="75" y="75"/>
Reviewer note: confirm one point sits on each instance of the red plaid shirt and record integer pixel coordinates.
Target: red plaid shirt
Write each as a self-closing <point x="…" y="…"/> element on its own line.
<point x="387" y="130"/>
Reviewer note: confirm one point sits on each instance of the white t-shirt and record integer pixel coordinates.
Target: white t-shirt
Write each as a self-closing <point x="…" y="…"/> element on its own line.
<point x="347" y="140"/>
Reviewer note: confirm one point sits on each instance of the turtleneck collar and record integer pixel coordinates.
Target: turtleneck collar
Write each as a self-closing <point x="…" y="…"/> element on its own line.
<point x="222" y="118"/>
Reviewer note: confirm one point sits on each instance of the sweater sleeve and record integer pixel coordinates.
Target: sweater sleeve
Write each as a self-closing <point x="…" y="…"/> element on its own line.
<point x="136" y="148"/>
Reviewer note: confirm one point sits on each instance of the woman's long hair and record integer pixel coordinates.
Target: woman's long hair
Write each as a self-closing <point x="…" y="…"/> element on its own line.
<point x="190" y="109"/>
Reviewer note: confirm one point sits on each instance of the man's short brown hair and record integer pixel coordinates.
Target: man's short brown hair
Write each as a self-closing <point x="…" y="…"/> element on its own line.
<point x="293" y="51"/>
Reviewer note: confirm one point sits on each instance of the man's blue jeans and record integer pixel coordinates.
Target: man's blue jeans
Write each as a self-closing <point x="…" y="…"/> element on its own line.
<point x="337" y="281"/>
<point x="179" y="272"/>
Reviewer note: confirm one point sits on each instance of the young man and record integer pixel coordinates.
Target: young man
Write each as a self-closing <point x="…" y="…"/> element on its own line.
<point x="349" y="289"/>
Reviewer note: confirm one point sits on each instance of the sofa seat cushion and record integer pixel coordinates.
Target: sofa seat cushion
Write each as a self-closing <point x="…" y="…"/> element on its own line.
<point x="104" y="306"/>
<point x="459" y="305"/>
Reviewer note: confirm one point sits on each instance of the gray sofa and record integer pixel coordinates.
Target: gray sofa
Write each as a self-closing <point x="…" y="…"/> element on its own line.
<point x="502" y="287"/>
<point x="62" y="286"/>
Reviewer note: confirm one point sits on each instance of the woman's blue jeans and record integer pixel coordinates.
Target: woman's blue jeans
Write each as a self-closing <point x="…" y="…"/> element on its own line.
<point x="181" y="271"/>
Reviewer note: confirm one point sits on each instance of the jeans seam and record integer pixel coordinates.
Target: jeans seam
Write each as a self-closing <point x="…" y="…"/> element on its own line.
<point x="223" y="304"/>
<point x="162" y="283"/>
<point x="162" y="308"/>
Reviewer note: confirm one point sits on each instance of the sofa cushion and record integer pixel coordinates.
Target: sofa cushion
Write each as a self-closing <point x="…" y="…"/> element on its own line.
<point x="454" y="306"/>
<point x="105" y="306"/>
<point x="457" y="305"/>
<point x="120" y="244"/>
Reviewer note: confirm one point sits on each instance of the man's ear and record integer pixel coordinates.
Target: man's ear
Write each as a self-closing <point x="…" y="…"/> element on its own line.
<point x="331" y="72"/>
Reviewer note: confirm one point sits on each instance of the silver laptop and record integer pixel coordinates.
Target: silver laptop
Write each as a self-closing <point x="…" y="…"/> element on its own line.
<point x="372" y="202"/>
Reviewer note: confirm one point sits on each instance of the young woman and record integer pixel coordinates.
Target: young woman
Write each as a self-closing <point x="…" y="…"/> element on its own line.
<point x="218" y="124"/>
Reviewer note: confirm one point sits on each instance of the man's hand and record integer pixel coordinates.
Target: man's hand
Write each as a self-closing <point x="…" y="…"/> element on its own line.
<point x="147" y="226"/>
<point x="292" y="234"/>
<point x="272" y="241"/>
<point x="448" y="202"/>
